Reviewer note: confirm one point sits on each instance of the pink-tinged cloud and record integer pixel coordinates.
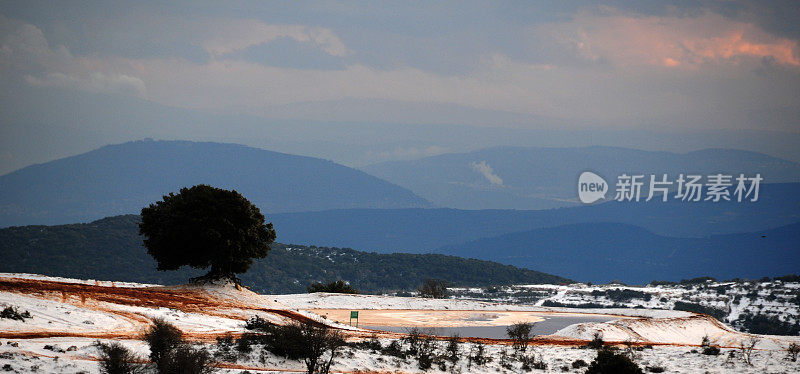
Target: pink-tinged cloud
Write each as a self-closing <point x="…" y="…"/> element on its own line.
<point x="630" y="40"/>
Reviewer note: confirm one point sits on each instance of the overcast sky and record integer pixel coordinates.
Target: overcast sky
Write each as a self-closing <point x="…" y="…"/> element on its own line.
<point x="632" y="64"/>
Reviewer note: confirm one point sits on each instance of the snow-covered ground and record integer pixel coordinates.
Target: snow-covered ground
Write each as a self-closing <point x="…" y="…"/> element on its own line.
<point x="731" y="302"/>
<point x="67" y="316"/>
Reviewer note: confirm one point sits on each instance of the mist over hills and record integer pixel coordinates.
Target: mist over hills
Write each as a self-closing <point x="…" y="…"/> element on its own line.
<point x="123" y="178"/>
<point x="602" y="252"/>
<point x="425" y="230"/>
<point x="543" y="178"/>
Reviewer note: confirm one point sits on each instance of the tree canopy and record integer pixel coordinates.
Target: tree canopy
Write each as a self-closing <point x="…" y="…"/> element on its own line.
<point x="205" y="226"/>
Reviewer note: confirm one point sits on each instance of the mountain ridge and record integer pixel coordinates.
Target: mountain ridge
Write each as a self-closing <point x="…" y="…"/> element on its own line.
<point x="511" y="177"/>
<point x="123" y="178"/>
<point x="82" y="251"/>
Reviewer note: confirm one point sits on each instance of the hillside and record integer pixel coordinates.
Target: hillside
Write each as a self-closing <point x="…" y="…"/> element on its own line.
<point x="602" y="252"/>
<point x="424" y="230"/>
<point x="123" y="178"/>
<point x="84" y="250"/>
<point x="541" y="178"/>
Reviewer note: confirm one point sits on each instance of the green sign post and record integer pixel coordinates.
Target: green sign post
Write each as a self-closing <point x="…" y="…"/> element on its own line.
<point x="354" y="314"/>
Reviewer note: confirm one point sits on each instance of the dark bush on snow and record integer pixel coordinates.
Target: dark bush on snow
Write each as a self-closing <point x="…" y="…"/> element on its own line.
<point x="116" y="359"/>
<point x="11" y="312"/>
<point x="610" y="362"/>
<point x="596" y="342"/>
<point x="333" y="287"/>
<point x="186" y="359"/>
<point x="173" y="355"/>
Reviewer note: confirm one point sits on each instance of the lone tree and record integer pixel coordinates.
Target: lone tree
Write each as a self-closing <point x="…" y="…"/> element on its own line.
<point x="205" y="226"/>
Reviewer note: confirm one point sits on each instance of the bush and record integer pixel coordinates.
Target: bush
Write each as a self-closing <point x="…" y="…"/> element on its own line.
<point x="532" y="362"/>
<point x="394" y="349"/>
<point x="708" y="348"/>
<point x="453" y="348"/>
<point x="719" y="314"/>
<point x="116" y="359"/>
<point x="225" y="345"/>
<point x="162" y="338"/>
<point x="186" y="359"/>
<point x="711" y="351"/>
<point x="792" y="351"/>
<point x="577" y="364"/>
<point x="299" y="341"/>
<point x="11" y="312"/>
<point x="478" y="355"/>
<point x="520" y="334"/>
<point x="333" y="287"/>
<point x="609" y="362"/>
<point x="767" y="325"/>
<point x="596" y="342"/>
<point x="655" y="369"/>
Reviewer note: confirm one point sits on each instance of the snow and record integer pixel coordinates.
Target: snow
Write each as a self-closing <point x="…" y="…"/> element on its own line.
<point x="109" y="311"/>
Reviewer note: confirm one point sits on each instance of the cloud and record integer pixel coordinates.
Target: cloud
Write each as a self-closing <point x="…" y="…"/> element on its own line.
<point x="484" y="169"/>
<point x="25" y="52"/>
<point x="671" y="41"/>
<point x="631" y="72"/>
<point x="232" y="35"/>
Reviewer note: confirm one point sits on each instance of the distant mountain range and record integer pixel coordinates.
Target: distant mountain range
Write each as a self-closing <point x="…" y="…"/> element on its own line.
<point x="602" y="252"/>
<point x="111" y="249"/>
<point x="596" y="252"/>
<point x="123" y="178"/>
<point x="426" y="230"/>
<point x="543" y="178"/>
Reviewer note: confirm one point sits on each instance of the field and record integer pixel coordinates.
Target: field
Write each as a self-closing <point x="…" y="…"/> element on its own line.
<point x="67" y="316"/>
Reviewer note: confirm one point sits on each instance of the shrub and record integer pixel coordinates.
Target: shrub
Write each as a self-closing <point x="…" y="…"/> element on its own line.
<point x="11" y="312"/>
<point x="792" y="351"/>
<point x="655" y="369"/>
<point x="426" y="353"/>
<point x="597" y="341"/>
<point x="708" y="348"/>
<point x="333" y="287"/>
<point x="520" y="334"/>
<point x="577" y="364"/>
<point x="478" y="355"/>
<point x="532" y="362"/>
<point x="394" y="349"/>
<point x="116" y="359"/>
<point x="299" y="341"/>
<point x="719" y="314"/>
<point x="186" y="359"/>
<point x="453" y="348"/>
<point x="767" y="325"/>
<point x="162" y="338"/>
<point x="225" y="348"/>
<point x="746" y="348"/>
<point x="609" y="362"/>
<point x="711" y="351"/>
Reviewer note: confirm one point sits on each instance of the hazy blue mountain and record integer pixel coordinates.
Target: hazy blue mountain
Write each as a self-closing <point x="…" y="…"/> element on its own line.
<point x="424" y="230"/>
<point x="123" y="178"/>
<point x="542" y="178"/>
<point x="46" y="123"/>
<point x="85" y="251"/>
<point x="602" y="252"/>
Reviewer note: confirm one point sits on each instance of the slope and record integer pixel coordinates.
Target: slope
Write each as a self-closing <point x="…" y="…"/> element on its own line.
<point x="123" y="178"/>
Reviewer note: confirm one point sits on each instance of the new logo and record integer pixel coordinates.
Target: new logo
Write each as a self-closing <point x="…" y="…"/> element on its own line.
<point x="591" y="187"/>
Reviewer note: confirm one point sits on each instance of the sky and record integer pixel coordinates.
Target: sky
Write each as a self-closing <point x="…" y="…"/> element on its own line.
<point x="78" y="74"/>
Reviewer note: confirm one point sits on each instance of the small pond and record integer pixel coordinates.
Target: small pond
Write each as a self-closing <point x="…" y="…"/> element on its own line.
<point x="550" y="325"/>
